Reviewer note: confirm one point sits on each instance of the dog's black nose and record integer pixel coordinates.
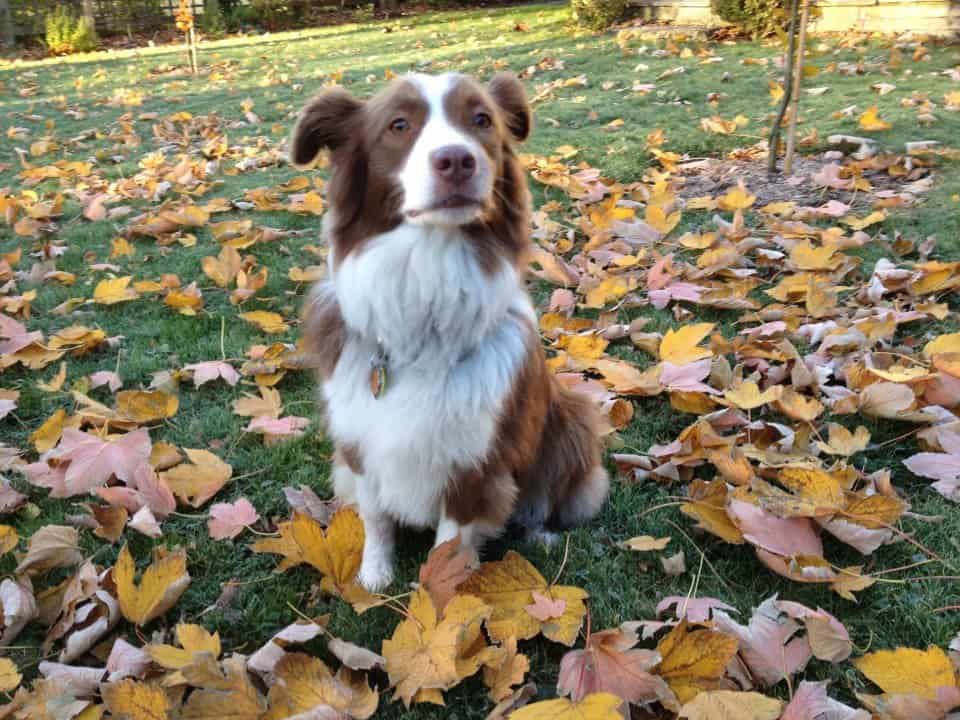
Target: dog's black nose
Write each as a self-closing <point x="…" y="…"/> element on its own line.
<point x="453" y="163"/>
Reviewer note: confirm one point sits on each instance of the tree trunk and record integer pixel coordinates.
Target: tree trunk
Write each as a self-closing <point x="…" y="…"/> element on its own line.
<point x="388" y="7"/>
<point x="7" y="33"/>
<point x="88" y="13"/>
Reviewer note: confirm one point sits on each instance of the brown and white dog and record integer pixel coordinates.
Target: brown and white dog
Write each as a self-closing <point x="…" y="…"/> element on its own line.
<point x="438" y="400"/>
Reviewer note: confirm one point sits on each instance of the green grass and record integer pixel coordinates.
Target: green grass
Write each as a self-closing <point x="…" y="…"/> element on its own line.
<point x="278" y="74"/>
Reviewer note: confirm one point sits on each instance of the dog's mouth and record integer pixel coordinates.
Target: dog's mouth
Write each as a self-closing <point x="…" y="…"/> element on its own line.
<point x="456" y="201"/>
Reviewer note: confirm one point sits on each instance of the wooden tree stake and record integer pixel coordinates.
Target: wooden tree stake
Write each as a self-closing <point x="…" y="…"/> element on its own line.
<point x="797" y="82"/>
<point x="774" y="142"/>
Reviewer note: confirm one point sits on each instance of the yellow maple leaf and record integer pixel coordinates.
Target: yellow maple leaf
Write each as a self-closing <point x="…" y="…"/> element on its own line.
<point x="192" y="639"/>
<point x="144" y="406"/>
<point x="874" y="511"/>
<point x="694" y="660"/>
<point x="269" y="322"/>
<point x="55" y="383"/>
<point x="430" y="652"/>
<point x="304" y="683"/>
<point x="226" y="693"/>
<point x="223" y="268"/>
<point x="337" y="552"/>
<point x="737" y="199"/>
<point x="731" y="705"/>
<point x="268" y="404"/>
<point x="10" y="677"/>
<point x="681" y="346"/>
<point x="284" y="545"/>
<point x="186" y="301"/>
<point x="797" y="406"/>
<point x="909" y="671"/>
<point x="806" y="256"/>
<point x="583" y="348"/>
<point x="595" y="706"/>
<point x="8" y="541"/>
<point x="505" y="668"/>
<point x="609" y="290"/>
<point x="136" y="700"/>
<point x="707" y="503"/>
<point x="48" y="434"/>
<point x="160" y="587"/>
<point x="747" y="395"/>
<point x="508" y="586"/>
<point x="200" y="479"/>
<point x="947" y="343"/>
<point x="115" y="290"/>
<point x="659" y="219"/>
<point x="871" y="122"/>
<point x="840" y="441"/>
<point x="121" y="247"/>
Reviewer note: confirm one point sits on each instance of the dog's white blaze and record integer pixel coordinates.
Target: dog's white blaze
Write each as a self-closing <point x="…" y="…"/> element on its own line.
<point x="417" y="175"/>
<point x="456" y="338"/>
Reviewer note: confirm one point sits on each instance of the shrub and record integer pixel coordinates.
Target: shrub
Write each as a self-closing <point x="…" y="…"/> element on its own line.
<point x="66" y="33"/>
<point x="756" y="18"/>
<point x="212" y="21"/>
<point x="597" y="14"/>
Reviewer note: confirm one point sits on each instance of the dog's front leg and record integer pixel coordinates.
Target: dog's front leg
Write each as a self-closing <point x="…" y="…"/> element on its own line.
<point x="376" y="569"/>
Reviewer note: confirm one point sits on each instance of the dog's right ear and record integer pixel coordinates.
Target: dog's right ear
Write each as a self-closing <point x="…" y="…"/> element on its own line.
<point x="324" y="122"/>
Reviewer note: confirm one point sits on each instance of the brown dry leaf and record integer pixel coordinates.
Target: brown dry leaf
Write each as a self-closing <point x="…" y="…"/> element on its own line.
<point x="145" y="406"/>
<point x="337" y="552"/>
<point x="646" y="543"/>
<point x="303" y="684"/>
<point x="598" y="706"/>
<point x="51" y="546"/>
<point x="161" y="584"/>
<point x="508" y="586"/>
<point x="136" y="700"/>
<point x="682" y="346"/>
<point x="694" y="660"/>
<point x="731" y="705"/>
<point x="429" y="651"/>
<point x="200" y="479"/>
<point x="447" y="566"/>
<point x="909" y="671"/>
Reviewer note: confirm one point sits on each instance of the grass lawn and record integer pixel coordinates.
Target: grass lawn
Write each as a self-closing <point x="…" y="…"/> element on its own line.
<point x="103" y="108"/>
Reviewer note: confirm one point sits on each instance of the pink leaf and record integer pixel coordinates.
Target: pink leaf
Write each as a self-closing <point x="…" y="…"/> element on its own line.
<point x="562" y="300"/>
<point x="781" y="536"/>
<point x="696" y="610"/>
<point x="204" y="372"/>
<point x="939" y="466"/>
<point x="829" y="176"/>
<point x="144" y="522"/>
<point x="7" y="407"/>
<point x="767" y="644"/>
<point x="126" y="660"/>
<point x="106" y="377"/>
<point x="675" y="291"/>
<point x="93" y="460"/>
<point x="228" y="520"/>
<point x="810" y="702"/>
<point x="828" y="637"/>
<point x="659" y="275"/>
<point x="545" y="608"/>
<point x="274" y="428"/>
<point x="16" y="335"/>
<point x="686" y="378"/>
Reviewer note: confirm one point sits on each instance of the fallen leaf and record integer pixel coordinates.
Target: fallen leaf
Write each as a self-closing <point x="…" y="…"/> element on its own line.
<point x="597" y="706"/>
<point x="731" y="705"/>
<point x="694" y="660"/>
<point x="227" y="520"/>
<point x="200" y="479"/>
<point x="159" y="589"/>
<point x="909" y="671"/>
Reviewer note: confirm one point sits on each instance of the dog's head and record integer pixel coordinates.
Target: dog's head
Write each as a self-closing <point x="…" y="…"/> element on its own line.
<point x="430" y="150"/>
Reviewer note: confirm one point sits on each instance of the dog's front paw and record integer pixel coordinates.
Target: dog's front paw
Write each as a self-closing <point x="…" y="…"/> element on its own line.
<point x="375" y="574"/>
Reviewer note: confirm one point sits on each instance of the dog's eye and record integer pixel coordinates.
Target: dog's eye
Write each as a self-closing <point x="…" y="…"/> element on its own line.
<point x="482" y="120"/>
<point x="400" y="125"/>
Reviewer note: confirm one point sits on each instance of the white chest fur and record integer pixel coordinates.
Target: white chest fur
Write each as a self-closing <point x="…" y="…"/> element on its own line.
<point x="456" y="339"/>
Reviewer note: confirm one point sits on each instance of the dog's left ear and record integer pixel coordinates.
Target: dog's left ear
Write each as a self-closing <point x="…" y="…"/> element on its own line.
<point x="507" y="90"/>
